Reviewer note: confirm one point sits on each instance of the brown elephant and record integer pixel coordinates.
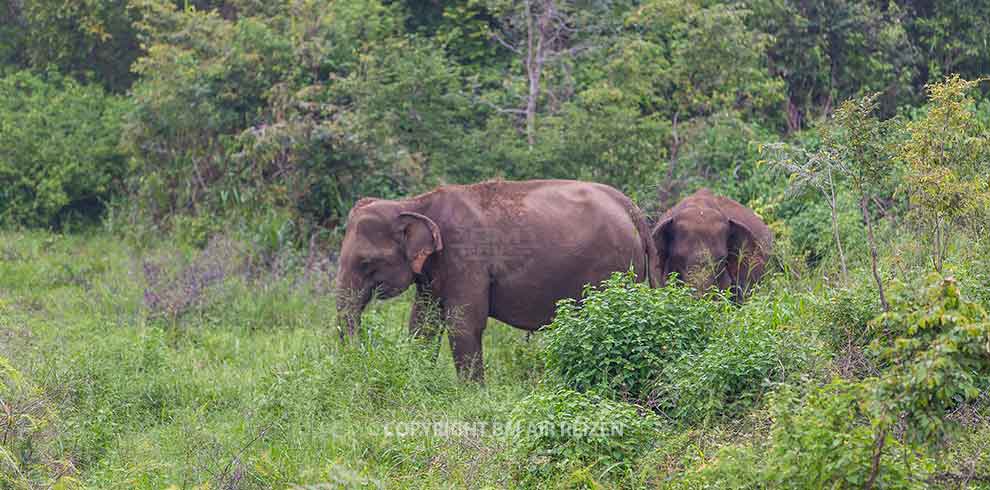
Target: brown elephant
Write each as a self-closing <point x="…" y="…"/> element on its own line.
<point x="711" y="240"/>
<point x="500" y="249"/>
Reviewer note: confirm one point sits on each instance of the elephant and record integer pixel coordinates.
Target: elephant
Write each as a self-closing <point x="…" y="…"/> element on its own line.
<point x="711" y="240"/>
<point x="502" y="249"/>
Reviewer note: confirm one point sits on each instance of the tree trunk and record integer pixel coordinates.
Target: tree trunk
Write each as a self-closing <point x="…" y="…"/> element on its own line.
<point x="936" y="255"/>
<point x="675" y="146"/>
<point x="536" y="26"/>
<point x="793" y="116"/>
<point x="835" y="227"/>
<point x="863" y="206"/>
<point x="944" y="252"/>
<point x="878" y="443"/>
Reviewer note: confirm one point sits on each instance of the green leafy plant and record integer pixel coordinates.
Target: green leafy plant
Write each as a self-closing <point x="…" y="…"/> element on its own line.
<point x="622" y="333"/>
<point x="744" y="354"/>
<point x="821" y="438"/>
<point x="946" y="155"/>
<point x="826" y="439"/>
<point x="842" y="318"/>
<point x="939" y="358"/>
<point x="561" y="429"/>
<point x="856" y="148"/>
<point x="936" y="351"/>
<point x="58" y="149"/>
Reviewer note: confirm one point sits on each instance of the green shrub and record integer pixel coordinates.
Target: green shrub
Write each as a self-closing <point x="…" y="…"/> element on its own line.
<point x="304" y="110"/>
<point x="621" y="334"/>
<point x="845" y="315"/>
<point x="821" y="439"/>
<point x="936" y="351"/>
<point x="825" y="439"/>
<point x="809" y="220"/>
<point x="58" y="149"/>
<point x="561" y="430"/>
<point x="940" y="357"/>
<point x="745" y="352"/>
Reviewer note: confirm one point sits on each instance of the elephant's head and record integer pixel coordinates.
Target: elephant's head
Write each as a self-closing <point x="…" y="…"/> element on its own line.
<point x="384" y="248"/>
<point x="703" y="245"/>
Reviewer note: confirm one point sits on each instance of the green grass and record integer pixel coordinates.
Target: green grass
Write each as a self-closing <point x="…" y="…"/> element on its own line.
<point x="255" y="385"/>
<point x="251" y="388"/>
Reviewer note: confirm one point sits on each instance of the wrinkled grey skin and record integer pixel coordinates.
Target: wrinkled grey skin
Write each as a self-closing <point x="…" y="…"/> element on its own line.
<point x="713" y="241"/>
<point x="506" y="250"/>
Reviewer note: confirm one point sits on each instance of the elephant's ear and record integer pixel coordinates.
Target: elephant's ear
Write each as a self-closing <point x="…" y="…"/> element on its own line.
<point x="744" y="253"/>
<point x="661" y="238"/>
<point x="420" y="238"/>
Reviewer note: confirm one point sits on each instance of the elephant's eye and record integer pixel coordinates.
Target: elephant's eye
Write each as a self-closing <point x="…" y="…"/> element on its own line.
<point x="365" y="265"/>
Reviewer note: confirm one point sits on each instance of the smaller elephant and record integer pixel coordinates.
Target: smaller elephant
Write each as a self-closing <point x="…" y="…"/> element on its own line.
<point x="711" y="240"/>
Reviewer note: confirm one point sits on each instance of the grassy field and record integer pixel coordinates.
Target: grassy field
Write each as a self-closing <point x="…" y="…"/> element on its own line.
<point x="250" y="388"/>
<point x="159" y="368"/>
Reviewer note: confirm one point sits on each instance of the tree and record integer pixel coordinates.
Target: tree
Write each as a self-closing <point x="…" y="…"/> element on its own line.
<point x="688" y="61"/>
<point x="946" y="155"/>
<point x="856" y="146"/>
<point x="954" y="34"/>
<point x="544" y="33"/>
<point x="92" y="40"/>
<point x="58" y="149"/>
<point x="860" y="142"/>
<point x="831" y="50"/>
<point x="816" y="170"/>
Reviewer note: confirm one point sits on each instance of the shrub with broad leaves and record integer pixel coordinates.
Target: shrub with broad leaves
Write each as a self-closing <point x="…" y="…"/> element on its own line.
<point x="623" y="333"/>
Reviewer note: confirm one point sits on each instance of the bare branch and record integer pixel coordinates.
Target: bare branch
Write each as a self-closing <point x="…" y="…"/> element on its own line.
<point x="501" y="110"/>
<point x="571" y="52"/>
<point x="505" y="43"/>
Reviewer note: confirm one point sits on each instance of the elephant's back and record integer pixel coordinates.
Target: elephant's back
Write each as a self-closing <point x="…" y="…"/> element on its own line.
<point x="555" y="203"/>
<point x="559" y="223"/>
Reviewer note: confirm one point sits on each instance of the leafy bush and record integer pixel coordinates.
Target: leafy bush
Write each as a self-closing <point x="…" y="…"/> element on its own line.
<point x="623" y="333"/>
<point x="946" y="155"/>
<point x="562" y="429"/>
<point x="973" y="271"/>
<point x="93" y="40"/>
<point x="58" y="149"/>
<point x="842" y="318"/>
<point x="305" y="109"/>
<point x="821" y="439"/>
<point x="745" y="352"/>
<point x="824" y="439"/>
<point x="842" y="435"/>
<point x="939" y="358"/>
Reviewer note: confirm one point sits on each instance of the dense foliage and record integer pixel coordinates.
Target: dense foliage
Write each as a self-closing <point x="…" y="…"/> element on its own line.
<point x="561" y="430"/>
<point x="748" y="349"/>
<point x="842" y="434"/>
<point x="622" y="333"/>
<point x="302" y="107"/>
<point x="58" y="149"/>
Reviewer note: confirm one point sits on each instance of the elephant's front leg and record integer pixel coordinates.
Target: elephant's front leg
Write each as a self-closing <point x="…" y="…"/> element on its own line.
<point x="424" y="318"/>
<point x="467" y="315"/>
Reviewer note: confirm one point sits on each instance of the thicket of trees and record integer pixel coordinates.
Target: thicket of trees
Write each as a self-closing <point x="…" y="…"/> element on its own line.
<point x="276" y="116"/>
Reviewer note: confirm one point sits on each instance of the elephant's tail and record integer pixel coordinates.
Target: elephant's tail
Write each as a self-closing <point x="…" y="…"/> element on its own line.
<point x="649" y="248"/>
